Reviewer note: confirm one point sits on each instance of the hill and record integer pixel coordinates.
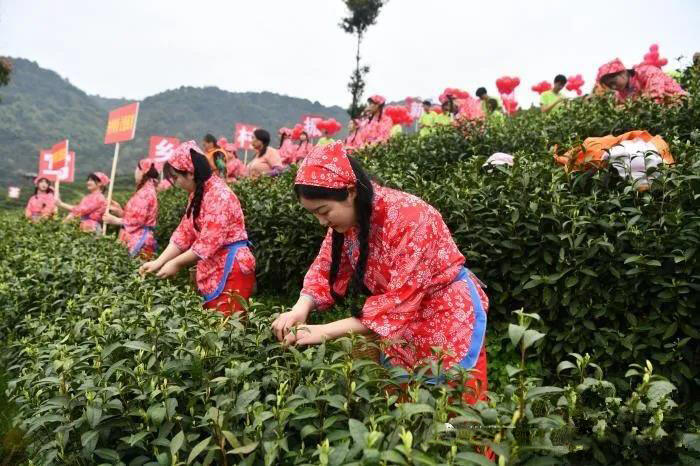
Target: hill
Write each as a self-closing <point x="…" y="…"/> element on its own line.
<point x="39" y="107"/>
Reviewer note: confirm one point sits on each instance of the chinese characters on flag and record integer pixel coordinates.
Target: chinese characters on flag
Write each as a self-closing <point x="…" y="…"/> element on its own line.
<point x="161" y="149"/>
<point x="309" y="122"/>
<point x="121" y="124"/>
<point x="243" y="136"/>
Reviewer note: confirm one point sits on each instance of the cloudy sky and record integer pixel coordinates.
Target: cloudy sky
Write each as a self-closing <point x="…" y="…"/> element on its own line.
<point x="136" y="48"/>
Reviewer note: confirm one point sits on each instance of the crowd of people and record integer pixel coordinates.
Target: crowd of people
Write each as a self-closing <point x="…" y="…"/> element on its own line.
<point x="388" y="245"/>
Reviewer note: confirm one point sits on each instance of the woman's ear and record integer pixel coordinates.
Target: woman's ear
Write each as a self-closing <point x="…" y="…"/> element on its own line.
<point x="352" y="193"/>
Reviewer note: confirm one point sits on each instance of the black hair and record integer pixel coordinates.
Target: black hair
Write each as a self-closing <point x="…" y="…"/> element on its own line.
<point x="283" y="137"/>
<point x="96" y="180"/>
<point x="202" y="172"/>
<point x="381" y="110"/>
<point x="264" y="137"/>
<point x="481" y="92"/>
<point x="491" y="104"/>
<point x="150" y="174"/>
<point x="49" y="189"/>
<point x="427" y="102"/>
<point x="560" y="79"/>
<point x="451" y="107"/>
<point x="363" y="212"/>
<point x="211" y="139"/>
<point x="307" y="138"/>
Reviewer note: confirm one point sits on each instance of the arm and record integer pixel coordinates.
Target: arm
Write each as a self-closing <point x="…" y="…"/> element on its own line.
<point x="549" y="107"/>
<point x="63" y="205"/>
<point x="170" y="253"/>
<point x="315" y="334"/>
<point x="180" y="241"/>
<point x="174" y="265"/>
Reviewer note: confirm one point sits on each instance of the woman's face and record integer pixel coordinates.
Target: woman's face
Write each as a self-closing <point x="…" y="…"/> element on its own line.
<point x="138" y="175"/>
<point x="339" y="215"/>
<point x="91" y="185"/>
<point x="303" y="137"/>
<point x="43" y="185"/>
<point x="185" y="181"/>
<point x="372" y="107"/>
<point x="617" y="82"/>
<point x="257" y="143"/>
<point x="352" y="126"/>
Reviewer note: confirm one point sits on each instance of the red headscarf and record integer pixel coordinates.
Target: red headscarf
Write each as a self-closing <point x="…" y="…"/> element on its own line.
<point x="327" y="167"/>
<point x="378" y="99"/>
<point x="612" y="67"/>
<point x="181" y="159"/>
<point x="104" y="179"/>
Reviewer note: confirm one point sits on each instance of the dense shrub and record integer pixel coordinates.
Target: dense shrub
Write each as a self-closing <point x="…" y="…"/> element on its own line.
<point x="612" y="271"/>
<point x="104" y="366"/>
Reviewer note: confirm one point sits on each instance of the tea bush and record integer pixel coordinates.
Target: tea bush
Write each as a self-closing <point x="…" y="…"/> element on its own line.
<point x="612" y="271"/>
<point x="107" y="367"/>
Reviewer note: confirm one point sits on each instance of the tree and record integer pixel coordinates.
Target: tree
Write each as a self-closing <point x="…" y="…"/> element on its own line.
<point x="5" y="70"/>
<point x="361" y="15"/>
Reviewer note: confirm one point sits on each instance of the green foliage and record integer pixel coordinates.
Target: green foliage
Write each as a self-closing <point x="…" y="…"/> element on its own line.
<point x="36" y="97"/>
<point x="108" y="367"/>
<point x="613" y="272"/>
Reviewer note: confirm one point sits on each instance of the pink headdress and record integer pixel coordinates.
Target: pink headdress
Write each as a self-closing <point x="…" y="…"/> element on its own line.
<point x="327" y="167"/>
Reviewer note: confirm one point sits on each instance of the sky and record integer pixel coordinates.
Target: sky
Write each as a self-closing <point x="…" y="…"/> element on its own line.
<point x="137" y="48"/>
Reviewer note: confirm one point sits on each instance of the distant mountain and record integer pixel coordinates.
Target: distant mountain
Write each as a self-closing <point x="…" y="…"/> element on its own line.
<point x="39" y="107"/>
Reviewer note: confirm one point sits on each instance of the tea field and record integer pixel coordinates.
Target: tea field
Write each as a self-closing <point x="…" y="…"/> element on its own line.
<point x="593" y="324"/>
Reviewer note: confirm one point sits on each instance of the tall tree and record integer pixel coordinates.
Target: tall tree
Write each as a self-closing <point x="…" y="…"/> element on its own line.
<point x="361" y="15"/>
<point x="5" y="70"/>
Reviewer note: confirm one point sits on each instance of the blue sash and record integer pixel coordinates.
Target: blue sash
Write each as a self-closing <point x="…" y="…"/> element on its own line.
<point x="478" y="334"/>
<point x="228" y="266"/>
<point x="137" y="249"/>
<point x="86" y="218"/>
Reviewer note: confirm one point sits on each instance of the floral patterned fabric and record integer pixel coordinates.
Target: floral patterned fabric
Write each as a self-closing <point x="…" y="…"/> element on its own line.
<point x="90" y="210"/>
<point x="288" y="152"/>
<point x="413" y="262"/>
<point x="40" y="205"/>
<point x="220" y="223"/>
<point x="327" y="167"/>
<point x="650" y="81"/>
<point x="140" y="214"/>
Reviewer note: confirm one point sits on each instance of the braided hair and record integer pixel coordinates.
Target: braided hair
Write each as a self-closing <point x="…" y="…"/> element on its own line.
<point x="202" y="172"/>
<point x="150" y="174"/>
<point x="363" y="212"/>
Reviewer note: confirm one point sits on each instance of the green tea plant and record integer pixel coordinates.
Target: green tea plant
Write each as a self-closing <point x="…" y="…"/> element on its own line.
<point x="107" y="367"/>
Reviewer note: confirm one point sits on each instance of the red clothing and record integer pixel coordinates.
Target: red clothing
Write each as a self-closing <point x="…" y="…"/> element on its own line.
<point x="413" y="262"/>
<point x="239" y="286"/>
<point x="90" y="210"/>
<point x="40" y="205"/>
<point x="235" y="168"/>
<point x="220" y="223"/>
<point x="140" y="215"/>
<point x="374" y="131"/>
<point x="302" y="151"/>
<point x="288" y="152"/>
<point x="650" y="81"/>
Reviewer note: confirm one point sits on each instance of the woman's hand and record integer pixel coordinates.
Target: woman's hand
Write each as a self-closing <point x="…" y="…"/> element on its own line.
<point x="111" y="219"/>
<point x="285" y="321"/>
<point x="306" y="335"/>
<point x="149" y="267"/>
<point x="169" y="270"/>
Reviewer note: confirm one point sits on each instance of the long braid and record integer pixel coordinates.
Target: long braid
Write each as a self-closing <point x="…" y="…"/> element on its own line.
<point x="336" y="252"/>
<point x="202" y="172"/>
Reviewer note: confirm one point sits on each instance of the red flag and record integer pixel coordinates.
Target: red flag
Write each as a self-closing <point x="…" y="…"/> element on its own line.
<point x="121" y="123"/>
<point x="47" y="169"/>
<point x="244" y="136"/>
<point x="59" y="151"/>
<point x="161" y="149"/>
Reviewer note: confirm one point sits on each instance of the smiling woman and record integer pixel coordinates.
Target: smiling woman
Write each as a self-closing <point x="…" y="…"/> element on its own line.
<point x="396" y="249"/>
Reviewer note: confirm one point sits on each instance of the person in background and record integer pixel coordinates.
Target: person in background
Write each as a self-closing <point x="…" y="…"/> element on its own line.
<point x="138" y="217"/>
<point x="304" y="147"/>
<point x="483" y="95"/>
<point x="287" y="149"/>
<point x="211" y="234"/>
<point x="325" y="139"/>
<point x="494" y="114"/>
<point x="395" y="249"/>
<point x="553" y="99"/>
<point x="427" y="119"/>
<point x="235" y="168"/>
<point x="351" y="142"/>
<point x="640" y="81"/>
<point x="92" y="206"/>
<point x="42" y="204"/>
<point x="267" y="160"/>
<point x="216" y="156"/>
<point x="377" y="126"/>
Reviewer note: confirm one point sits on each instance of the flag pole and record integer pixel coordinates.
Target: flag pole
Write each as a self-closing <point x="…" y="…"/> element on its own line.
<point x="111" y="185"/>
<point x="245" y="159"/>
